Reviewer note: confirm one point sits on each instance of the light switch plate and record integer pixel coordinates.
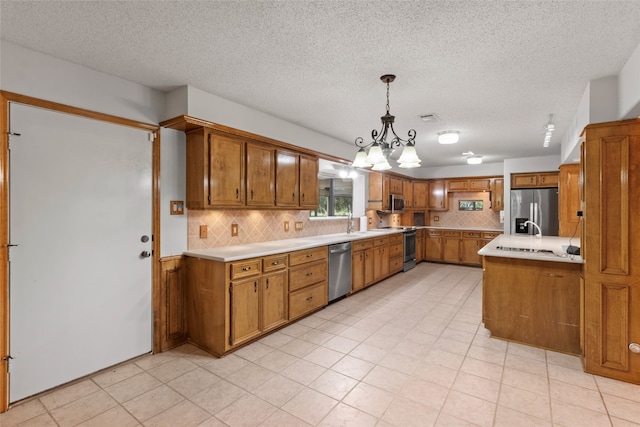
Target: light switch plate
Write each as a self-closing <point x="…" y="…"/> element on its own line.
<point x="234" y="230"/>
<point x="286" y="226"/>
<point x="177" y="207"/>
<point x="203" y="232"/>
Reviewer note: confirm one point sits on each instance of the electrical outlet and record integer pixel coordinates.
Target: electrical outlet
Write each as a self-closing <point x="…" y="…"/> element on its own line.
<point x="203" y="231"/>
<point x="298" y="225"/>
<point x="370" y="221"/>
<point x="234" y="230"/>
<point x="436" y="218"/>
<point x="286" y="226"/>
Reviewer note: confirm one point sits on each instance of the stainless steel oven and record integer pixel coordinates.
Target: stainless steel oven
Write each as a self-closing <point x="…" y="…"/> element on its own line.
<point x="409" y="249"/>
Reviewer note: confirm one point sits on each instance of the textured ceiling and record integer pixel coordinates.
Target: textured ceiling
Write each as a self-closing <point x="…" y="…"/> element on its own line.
<point x="492" y="70"/>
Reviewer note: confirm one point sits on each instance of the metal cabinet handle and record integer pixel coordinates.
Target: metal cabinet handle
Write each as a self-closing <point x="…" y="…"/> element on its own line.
<point x="255" y="286"/>
<point x="246" y="268"/>
<point x="293" y="197"/>
<point x="237" y="193"/>
<point x="251" y="194"/>
<point x="309" y="274"/>
<point x="267" y="283"/>
<point x="274" y="263"/>
<point x="309" y="299"/>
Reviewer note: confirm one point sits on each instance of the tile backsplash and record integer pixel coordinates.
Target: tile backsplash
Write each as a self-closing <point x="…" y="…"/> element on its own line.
<point x="486" y="218"/>
<point x="254" y="226"/>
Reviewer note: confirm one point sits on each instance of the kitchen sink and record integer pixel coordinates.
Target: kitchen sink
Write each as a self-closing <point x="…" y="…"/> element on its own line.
<point x="508" y="248"/>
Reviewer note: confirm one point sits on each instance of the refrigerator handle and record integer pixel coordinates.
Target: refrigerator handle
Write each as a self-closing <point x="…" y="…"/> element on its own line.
<point x="531" y="216"/>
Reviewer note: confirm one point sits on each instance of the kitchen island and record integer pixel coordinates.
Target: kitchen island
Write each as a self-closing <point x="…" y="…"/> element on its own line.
<point x="531" y="292"/>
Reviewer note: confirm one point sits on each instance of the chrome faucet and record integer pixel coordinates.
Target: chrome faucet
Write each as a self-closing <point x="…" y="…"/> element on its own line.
<point x="539" y="234"/>
<point x="349" y="223"/>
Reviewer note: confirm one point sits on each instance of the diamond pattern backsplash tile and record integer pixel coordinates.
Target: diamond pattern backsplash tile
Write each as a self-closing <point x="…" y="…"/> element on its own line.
<point x="254" y="226"/>
<point x="486" y="218"/>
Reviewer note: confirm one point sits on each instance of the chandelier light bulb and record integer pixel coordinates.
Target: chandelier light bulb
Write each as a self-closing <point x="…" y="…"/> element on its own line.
<point x="381" y="166"/>
<point x="409" y="157"/>
<point x="375" y="154"/>
<point x="361" y="160"/>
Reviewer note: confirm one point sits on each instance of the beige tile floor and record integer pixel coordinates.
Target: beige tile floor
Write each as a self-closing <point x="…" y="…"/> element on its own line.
<point x="410" y="351"/>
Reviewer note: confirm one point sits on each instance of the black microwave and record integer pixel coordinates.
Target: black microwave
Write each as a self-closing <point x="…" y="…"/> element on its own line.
<point x="396" y="203"/>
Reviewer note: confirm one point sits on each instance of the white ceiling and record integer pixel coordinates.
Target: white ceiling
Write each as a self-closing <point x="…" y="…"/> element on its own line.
<point x="492" y="70"/>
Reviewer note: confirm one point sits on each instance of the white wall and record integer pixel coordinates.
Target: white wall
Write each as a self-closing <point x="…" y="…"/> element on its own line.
<point x="484" y="169"/>
<point x="31" y="73"/>
<point x="172" y="187"/>
<point x="629" y="87"/>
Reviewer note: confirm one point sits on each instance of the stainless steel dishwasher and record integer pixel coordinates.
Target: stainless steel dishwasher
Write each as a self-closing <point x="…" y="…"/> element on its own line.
<point x="339" y="270"/>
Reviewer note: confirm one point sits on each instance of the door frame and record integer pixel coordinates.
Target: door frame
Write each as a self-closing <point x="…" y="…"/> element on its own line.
<point x="5" y="99"/>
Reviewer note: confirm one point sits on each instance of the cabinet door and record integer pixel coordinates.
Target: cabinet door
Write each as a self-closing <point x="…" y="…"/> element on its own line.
<point x="226" y="171"/>
<point x="548" y="180"/>
<point x="437" y="196"/>
<point x="357" y="271"/>
<point x="368" y="267"/>
<point x="569" y="200"/>
<point x="309" y="195"/>
<point x="380" y="263"/>
<point x="261" y="174"/>
<point x="451" y="250"/>
<point x="375" y="191"/>
<point x="244" y="310"/>
<point x="386" y="191"/>
<point x="433" y="248"/>
<point x="287" y="186"/>
<point x="524" y="181"/>
<point x="395" y="185"/>
<point x="420" y="248"/>
<point x="407" y="192"/>
<point x="274" y="300"/>
<point x="469" y="251"/>
<point x="420" y="191"/>
<point x="497" y="195"/>
<point x="480" y="184"/>
<point x="457" y="185"/>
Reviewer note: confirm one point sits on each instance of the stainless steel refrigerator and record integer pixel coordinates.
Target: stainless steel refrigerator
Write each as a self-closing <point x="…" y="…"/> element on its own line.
<point x="537" y="205"/>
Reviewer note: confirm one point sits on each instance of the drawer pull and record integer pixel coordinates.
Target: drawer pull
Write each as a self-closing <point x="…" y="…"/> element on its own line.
<point x="309" y="274"/>
<point x="309" y="299"/>
<point x="309" y="255"/>
<point x="275" y="263"/>
<point x="553" y="275"/>
<point x="246" y="268"/>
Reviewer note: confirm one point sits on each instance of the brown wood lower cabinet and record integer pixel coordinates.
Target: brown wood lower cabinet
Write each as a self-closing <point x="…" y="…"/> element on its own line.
<point x="308" y="286"/>
<point x="456" y="246"/>
<point x="533" y="302"/>
<point x="451" y="246"/>
<point x="433" y="245"/>
<point x="361" y="264"/>
<point x="396" y="253"/>
<point x="172" y="313"/>
<point x="380" y="258"/>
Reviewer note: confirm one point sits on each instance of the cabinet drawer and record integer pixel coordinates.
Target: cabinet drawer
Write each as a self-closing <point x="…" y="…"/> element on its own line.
<point x="490" y="235"/>
<point x="307" y="274"/>
<point x="360" y="245"/>
<point x="434" y="233"/>
<point x="396" y="238"/>
<point x="246" y="268"/>
<point x="396" y="265"/>
<point x="274" y="263"/>
<point x="396" y="249"/>
<point x="471" y="234"/>
<point x="307" y="255"/>
<point x="380" y="241"/>
<point x="307" y="299"/>
<point x="450" y="233"/>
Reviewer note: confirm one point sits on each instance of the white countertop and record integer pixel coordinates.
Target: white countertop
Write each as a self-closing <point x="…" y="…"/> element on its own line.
<point x="252" y="250"/>
<point x="557" y="246"/>
<point x="439" y="227"/>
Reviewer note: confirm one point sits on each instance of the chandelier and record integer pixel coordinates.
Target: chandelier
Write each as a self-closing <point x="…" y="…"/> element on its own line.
<point x="385" y="142"/>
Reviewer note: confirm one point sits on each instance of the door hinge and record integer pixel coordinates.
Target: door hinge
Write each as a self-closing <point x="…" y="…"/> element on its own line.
<point x="152" y="136"/>
<point x="9" y="246"/>
<point x="8" y="359"/>
<point x="11" y="134"/>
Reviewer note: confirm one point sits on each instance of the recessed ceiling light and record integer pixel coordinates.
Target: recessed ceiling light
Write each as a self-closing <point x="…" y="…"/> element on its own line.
<point x="448" y="136"/>
<point x="475" y="160"/>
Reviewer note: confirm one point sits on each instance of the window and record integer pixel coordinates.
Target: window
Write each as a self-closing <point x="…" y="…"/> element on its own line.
<point x="335" y="197"/>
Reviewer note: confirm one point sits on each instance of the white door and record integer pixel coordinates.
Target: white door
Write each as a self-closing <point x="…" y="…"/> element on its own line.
<point x="80" y="290"/>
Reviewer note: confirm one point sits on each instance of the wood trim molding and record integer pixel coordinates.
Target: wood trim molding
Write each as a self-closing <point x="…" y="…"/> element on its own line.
<point x="5" y="99"/>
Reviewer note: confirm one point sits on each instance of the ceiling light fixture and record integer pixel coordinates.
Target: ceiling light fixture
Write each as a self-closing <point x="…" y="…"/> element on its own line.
<point x="549" y="127"/>
<point x="472" y="159"/>
<point x="448" y="137"/>
<point x="385" y="142"/>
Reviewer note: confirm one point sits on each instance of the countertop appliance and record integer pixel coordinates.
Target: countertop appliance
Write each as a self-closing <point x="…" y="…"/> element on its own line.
<point x="539" y="205"/>
<point x="339" y="270"/>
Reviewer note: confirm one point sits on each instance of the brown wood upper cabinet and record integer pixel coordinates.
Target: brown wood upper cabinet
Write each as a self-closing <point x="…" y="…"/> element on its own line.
<point x="533" y="180"/>
<point x="407" y="193"/>
<point x="497" y="194"/>
<point x="420" y="194"/>
<point x="229" y="170"/>
<point x="261" y="175"/>
<point x="395" y="185"/>
<point x="471" y="184"/>
<point x="569" y="200"/>
<point x="438" y="196"/>
<point x="215" y="170"/>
